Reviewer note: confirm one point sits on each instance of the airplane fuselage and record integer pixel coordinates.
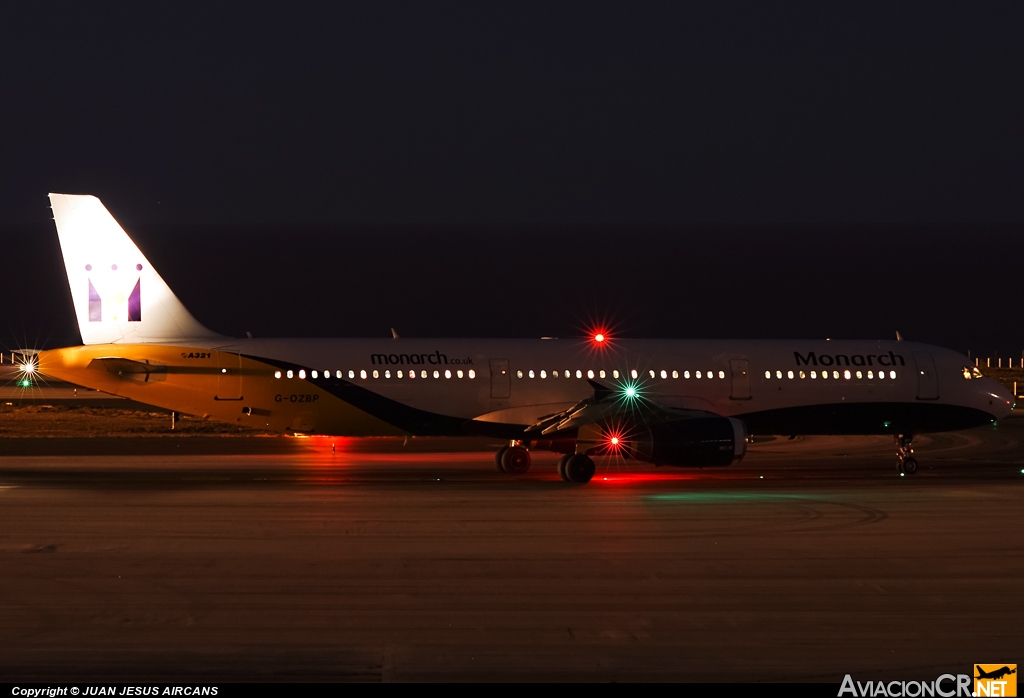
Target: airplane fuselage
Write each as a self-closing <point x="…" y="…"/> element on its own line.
<point x="365" y="387"/>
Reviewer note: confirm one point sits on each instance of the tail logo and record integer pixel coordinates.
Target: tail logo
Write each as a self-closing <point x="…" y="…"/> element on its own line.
<point x="109" y="288"/>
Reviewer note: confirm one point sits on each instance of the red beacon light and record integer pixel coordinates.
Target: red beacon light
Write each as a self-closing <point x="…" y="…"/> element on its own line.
<point x="599" y="337"/>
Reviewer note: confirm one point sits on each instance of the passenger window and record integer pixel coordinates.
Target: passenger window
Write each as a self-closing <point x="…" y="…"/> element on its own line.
<point x="697" y="374"/>
<point x="768" y="375"/>
<point x="531" y="373"/>
<point x="459" y="373"/>
<point x="789" y="375"/>
<point x="615" y="374"/>
<point x="472" y="374"/>
<point x="675" y="374"/>
<point x="721" y="375"/>
<point x="814" y="374"/>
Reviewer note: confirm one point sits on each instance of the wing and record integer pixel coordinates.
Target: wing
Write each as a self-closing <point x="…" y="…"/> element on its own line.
<point x="639" y="427"/>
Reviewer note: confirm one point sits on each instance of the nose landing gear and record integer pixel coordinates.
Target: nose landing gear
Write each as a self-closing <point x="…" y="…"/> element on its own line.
<point x="905" y="461"/>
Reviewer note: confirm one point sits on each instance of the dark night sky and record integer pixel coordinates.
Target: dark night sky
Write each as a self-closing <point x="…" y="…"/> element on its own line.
<point x="488" y="169"/>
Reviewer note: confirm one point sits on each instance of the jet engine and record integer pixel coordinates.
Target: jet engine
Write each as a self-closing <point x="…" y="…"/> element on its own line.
<point x="695" y="442"/>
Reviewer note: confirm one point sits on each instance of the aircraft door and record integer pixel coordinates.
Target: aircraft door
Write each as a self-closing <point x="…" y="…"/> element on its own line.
<point x="927" y="378"/>
<point x="501" y="378"/>
<point x="740" y="370"/>
<point x="229" y="376"/>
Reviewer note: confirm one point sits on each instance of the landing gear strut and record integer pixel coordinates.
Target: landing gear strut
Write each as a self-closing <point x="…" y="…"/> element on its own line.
<point x="905" y="461"/>
<point x="512" y="459"/>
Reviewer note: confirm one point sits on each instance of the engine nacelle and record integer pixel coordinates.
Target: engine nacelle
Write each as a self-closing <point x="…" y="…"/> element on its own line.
<point x="698" y="442"/>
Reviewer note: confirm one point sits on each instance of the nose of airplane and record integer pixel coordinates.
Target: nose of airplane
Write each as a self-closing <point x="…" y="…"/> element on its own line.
<point x="998" y="399"/>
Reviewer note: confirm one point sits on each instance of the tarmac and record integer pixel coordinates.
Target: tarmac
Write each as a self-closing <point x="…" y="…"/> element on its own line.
<point x="376" y="560"/>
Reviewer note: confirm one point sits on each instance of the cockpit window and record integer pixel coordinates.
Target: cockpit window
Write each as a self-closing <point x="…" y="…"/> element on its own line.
<point x="975" y="372"/>
<point x="967" y="373"/>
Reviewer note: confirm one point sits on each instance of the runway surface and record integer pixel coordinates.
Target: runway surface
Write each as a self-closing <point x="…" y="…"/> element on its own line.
<point x="810" y="560"/>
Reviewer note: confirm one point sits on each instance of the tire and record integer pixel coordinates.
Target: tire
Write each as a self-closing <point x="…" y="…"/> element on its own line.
<point x="515" y="460"/>
<point x="561" y="467"/>
<point x="910" y="466"/>
<point x="579" y="469"/>
<point x="498" y="456"/>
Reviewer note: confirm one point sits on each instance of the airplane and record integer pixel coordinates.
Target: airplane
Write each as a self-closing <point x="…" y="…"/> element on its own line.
<point x="995" y="674"/>
<point x="682" y="403"/>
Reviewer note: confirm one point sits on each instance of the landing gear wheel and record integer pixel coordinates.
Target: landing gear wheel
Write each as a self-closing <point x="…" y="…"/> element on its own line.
<point x="561" y="466"/>
<point x="579" y="468"/>
<point x="515" y="460"/>
<point x="905" y="462"/>
<point x="498" y="456"/>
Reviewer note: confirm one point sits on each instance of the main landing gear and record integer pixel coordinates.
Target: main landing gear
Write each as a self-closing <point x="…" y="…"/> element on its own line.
<point x="905" y="461"/>
<point x="576" y="467"/>
<point x="512" y="459"/>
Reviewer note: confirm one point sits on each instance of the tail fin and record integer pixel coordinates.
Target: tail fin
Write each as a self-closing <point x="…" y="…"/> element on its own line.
<point x="119" y="297"/>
